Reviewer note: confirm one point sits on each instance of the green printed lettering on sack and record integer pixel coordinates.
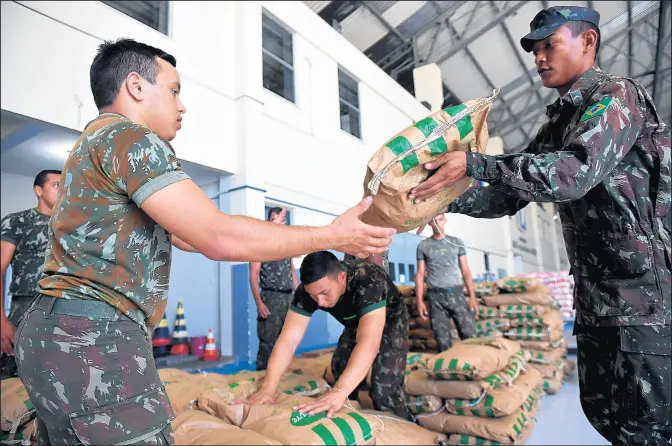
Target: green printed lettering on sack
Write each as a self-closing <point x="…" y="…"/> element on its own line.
<point x="233" y="385"/>
<point x="299" y="419"/>
<point x="326" y="436"/>
<point x="398" y="146"/>
<point x="464" y="125"/>
<point x="426" y="126"/>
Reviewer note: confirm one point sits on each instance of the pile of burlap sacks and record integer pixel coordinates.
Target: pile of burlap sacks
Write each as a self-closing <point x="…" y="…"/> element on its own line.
<point x="420" y="335"/>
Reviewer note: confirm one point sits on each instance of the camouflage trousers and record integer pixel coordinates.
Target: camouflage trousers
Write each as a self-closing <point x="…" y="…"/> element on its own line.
<point x="625" y="379"/>
<point x="17" y="309"/>
<point x="268" y="330"/>
<point x="447" y="304"/>
<point x="387" y="374"/>
<point x="92" y="380"/>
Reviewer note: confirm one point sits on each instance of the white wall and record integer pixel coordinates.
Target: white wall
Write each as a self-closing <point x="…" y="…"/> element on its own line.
<point x="16" y="192"/>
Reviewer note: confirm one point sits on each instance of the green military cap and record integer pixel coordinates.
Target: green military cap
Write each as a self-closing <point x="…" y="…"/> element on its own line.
<point x="550" y="19"/>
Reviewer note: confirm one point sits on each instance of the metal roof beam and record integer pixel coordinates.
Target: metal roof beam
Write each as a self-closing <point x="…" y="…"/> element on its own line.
<point x="658" y="78"/>
<point x="477" y="34"/>
<point x="372" y="9"/>
<point x="440" y="18"/>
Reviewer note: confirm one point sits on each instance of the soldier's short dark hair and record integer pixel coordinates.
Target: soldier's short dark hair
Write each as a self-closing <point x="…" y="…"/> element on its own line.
<point x="577" y="27"/>
<point x="274" y="210"/>
<point x="41" y="177"/>
<point x="116" y="60"/>
<point x="318" y="265"/>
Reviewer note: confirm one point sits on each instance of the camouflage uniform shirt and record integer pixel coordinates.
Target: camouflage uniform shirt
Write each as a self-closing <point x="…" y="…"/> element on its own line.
<point x="368" y="288"/>
<point x="604" y="156"/>
<point x="101" y="244"/>
<point x="27" y="230"/>
<point x="276" y="275"/>
<point x="441" y="258"/>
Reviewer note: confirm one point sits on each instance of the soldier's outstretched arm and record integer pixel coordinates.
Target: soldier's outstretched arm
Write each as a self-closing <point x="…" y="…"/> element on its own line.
<point x="487" y="202"/>
<point x="183" y="209"/>
<point x="606" y="132"/>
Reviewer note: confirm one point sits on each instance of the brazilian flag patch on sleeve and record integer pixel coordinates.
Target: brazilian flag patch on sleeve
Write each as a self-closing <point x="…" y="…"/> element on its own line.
<point x="597" y="109"/>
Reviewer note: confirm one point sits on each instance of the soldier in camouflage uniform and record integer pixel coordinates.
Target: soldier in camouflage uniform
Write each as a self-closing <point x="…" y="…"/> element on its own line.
<point x="381" y="260"/>
<point x="604" y="156"/>
<point x="444" y="258"/>
<point x="24" y="242"/>
<point x="362" y="297"/>
<point x="277" y="280"/>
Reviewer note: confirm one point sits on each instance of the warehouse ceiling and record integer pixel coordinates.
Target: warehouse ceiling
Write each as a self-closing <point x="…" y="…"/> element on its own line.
<point x="476" y="46"/>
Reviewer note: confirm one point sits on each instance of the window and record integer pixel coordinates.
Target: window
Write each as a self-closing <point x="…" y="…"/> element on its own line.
<point x="348" y="95"/>
<point x="411" y="272"/>
<point x="152" y="13"/>
<point x="278" y="59"/>
<point x="288" y="217"/>
<point x="402" y="273"/>
<point x="393" y="272"/>
<point x="486" y="260"/>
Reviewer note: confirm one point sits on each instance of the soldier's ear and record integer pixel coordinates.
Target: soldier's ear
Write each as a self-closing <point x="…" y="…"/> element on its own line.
<point x="135" y="86"/>
<point x="38" y="191"/>
<point x="589" y="40"/>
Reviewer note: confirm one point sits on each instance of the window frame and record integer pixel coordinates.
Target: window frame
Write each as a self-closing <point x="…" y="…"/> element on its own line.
<point x="167" y="16"/>
<point x="267" y="52"/>
<point x="344" y="102"/>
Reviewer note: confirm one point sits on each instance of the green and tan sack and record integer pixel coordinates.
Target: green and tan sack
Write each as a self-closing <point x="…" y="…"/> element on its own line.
<point x="516" y="311"/>
<point x="553" y="385"/>
<point x="552" y="318"/>
<point x="519" y="284"/>
<point x="547" y="356"/>
<point x="535" y="333"/>
<point x="196" y="427"/>
<point x="500" y="401"/>
<point x="473" y="359"/>
<point x="423" y="403"/>
<point x="183" y="395"/>
<point x="16" y="407"/>
<point x="303" y="385"/>
<point x="486" y="289"/>
<point x="281" y="423"/>
<point x="486" y="326"/>
<point x="541" y="298"/>
<point x="507" y="430"/>
<point x="549" y="371"/>
<point x="461" y="439"/>
<point x="174" y="375"/>
<point x="216" y="401"/>
<point x="313" y="366"/>
<point x="416" y="361"/>
<point x="488" y="312"/>
<point x="402" y="432"/>
<point x="397" y="167"/>
<point x="544" y="345"/>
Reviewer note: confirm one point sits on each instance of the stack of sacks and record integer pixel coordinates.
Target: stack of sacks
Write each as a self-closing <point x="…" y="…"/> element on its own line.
<point x="487" y="395"/>
<point x="398" y="431"/>
<point x="18" y="413"/>
<point x="561" y="285"/>
<point x="421" y="337"/>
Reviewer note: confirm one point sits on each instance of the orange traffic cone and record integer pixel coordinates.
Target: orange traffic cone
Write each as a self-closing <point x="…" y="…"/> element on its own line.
<point x="180" y="338"/>
<point x="210" y="353"/>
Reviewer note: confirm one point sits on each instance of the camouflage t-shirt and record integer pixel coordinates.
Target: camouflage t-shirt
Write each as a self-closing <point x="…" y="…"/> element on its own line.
<point x="441" y="259"/>
<point x="27" y="230"/>
<point x="276" y="275"/>
<point x="368" y="288"/>
<point x="101" y="244"/>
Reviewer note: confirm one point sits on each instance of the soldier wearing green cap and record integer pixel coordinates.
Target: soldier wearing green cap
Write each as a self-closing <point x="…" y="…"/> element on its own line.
<point x="604" y="157"/>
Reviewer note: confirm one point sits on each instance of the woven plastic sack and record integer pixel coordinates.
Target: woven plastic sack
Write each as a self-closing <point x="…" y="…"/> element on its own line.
<point x="473" y="359"/>
<point x="500" y="401"/>
<point x="196" y="427"/>
<point x="398" y="166"/>
<point x="423" y="403"/>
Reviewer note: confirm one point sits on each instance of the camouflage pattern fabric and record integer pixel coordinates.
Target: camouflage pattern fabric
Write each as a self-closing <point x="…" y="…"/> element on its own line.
<point x="92" y="380"/>
<point x="18" y="308"/>
<point x="385" y="263"/>
<point x="387" y="373"/>
<point x="445" y="305"/>
<point x="27" y="230"/>
<point x="625" y="379"/>
<point x="276" y="276"/>
<point x="268" y="330"/>
<point x="368" y="288"/>
<point x="102" y="246"/>
<point x="441" y="259"/>
<point x="612" y="183"/>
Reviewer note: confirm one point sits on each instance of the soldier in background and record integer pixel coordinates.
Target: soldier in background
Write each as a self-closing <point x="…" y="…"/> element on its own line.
<point x="277" y="280"/>
<point x="444" y="259"/>
<point x="604" y="155"/>
<point x="24" y="242"/>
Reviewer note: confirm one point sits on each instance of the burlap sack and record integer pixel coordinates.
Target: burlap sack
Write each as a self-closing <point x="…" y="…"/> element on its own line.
<point x="473" y="359"/>
<point x="553" y="385"/>
<point x="486" y="289"/>
<point x="401" y="432"/>
<point x="547" y="356"/>
<point x="196" y="427"/>
<point x="552" y="318"/>
<point x="543" y="345"/>
<point x="508" y="429"/>
<point x="488" y="312"/>
<point x="487" y="326"/>
<point x="406" y="290"/>
<point x="535" y="333"/>
<point x="303" y="385"/>
<point x="549" y="371"/>
<point x="457" y="439"/>
<point x="529" y="298"/>
<point x="16" y="405"/>
<point x="391" y="206"/>
<point x="515" y="311"/>
<point x="184" y="395"/>
<point x="281" y="423"/>
<point x="518" y="284"/>
<point x="423" y="403"/>
<point x="174" y="375"/>
<point x="500" y="401"/>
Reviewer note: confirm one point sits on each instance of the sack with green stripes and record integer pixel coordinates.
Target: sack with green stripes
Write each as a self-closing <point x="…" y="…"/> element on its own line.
<point x="196" y="427"/>
<point x="518" y="284"/>
<point x="16" y="405"/>
<point x="551" y="318"/>
<point x="401" y="432"/>
<point x="535" y="333"/>
<point x="515" y="311"/>
<point x="488" y="312"/>
<point x="216" y="401"/>
<point x="303" y="385"/>
<point x="183" y="394"/>
<point x="553" y="385"/>
<point x="398" y="166"/>
<point x="501" y="401"/>
<point x="473" y="359"/>
<point x="549" y="371"/>
<point x="416" y="361"/>
<point x="543" y="345"/>
<point x="484" y="327"/>
<point x="548" y="356"/>
<point x="423" y="403"/>
<point x="486" y="289"/>
<point x="282" y="423"/>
